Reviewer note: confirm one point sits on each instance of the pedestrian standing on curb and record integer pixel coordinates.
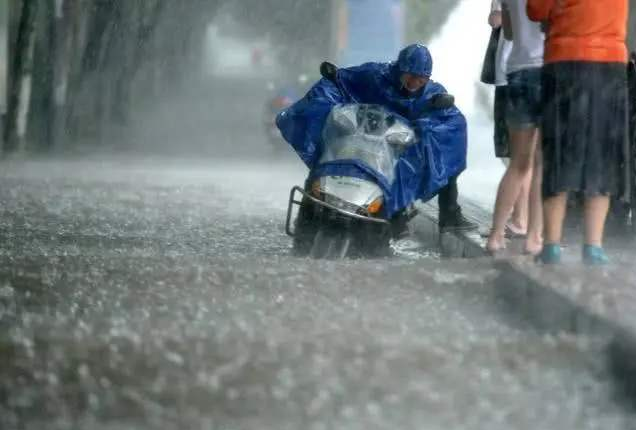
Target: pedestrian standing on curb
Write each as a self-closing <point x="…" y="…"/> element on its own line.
<point x="523" y="117"/>
<point x="585" y="130"/>
<point x="518" y="222"/>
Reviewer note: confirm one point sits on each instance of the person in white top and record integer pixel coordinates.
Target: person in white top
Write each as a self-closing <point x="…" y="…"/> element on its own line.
<point x="523" y="116"/>
<point x="518" y="223"/>
<point x="504" y="47"/>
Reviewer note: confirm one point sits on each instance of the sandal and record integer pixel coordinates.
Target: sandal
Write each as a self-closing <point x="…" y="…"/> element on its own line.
<point x="508" y="234"/>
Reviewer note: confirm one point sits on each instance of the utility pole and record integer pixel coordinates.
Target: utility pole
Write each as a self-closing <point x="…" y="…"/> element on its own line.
<point x="60" y="45"/>
<point x="338" y="29"/>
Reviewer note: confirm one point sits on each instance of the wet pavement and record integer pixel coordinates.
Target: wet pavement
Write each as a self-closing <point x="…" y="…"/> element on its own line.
<point x="139" y="293"/>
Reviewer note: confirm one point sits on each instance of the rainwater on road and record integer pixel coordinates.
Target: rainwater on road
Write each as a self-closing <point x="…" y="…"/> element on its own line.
<point x="162" y="294"/>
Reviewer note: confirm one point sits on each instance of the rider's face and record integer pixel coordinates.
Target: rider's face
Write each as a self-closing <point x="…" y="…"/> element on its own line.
<point x="413" y="83"/>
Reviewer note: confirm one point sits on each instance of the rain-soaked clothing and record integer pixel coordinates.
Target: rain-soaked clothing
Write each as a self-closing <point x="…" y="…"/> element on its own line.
<point x="585" y="118"/>
<point x="583" y="30"/>
<point x="585" y="131"/>
<point x="425" y="167"/>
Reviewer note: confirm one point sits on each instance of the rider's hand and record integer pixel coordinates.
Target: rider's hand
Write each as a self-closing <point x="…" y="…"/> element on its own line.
<point x="495" y="19"/>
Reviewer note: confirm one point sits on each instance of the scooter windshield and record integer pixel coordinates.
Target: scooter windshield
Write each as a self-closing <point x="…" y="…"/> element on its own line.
<point x="368" y="134"/>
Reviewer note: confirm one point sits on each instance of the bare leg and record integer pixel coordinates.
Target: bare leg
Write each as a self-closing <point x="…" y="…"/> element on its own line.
<point x="554" y="213"/>
<point x="522" y="144"/>
<point x="596" y="209"/>
<point x="519" y="218"/>
<point x="534" y="240"/>
<point x="518" y="221"/>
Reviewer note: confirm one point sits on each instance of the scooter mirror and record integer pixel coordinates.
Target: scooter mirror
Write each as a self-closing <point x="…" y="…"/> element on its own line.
<point x="328" y="71"/>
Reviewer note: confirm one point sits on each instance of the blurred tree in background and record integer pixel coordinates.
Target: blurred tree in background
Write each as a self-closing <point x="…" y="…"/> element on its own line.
<point x="424" y="17"/>
<point x="79" y="67"/>
<point x="301" y="28"/>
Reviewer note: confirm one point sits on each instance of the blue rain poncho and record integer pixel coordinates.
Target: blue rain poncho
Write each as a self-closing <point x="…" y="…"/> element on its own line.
<point x="424" y="168"/>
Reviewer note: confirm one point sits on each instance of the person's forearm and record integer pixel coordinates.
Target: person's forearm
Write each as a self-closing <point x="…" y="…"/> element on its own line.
<point x="539" y="10"/>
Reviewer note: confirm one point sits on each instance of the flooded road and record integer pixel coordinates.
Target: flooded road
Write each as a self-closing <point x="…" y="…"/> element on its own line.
<point x="162" y="294"/>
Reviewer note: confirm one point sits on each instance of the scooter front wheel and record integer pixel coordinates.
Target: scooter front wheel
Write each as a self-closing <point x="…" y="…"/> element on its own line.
<point x="331" y="244"/>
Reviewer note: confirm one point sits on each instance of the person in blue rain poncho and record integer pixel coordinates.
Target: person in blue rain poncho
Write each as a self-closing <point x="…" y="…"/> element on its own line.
<point x="429" y="168"/>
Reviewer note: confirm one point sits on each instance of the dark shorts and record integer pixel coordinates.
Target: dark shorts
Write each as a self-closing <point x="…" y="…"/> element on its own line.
<point x="585" y="128"/>
<point x="524" y="106"/>
<point x="502" y="148"/>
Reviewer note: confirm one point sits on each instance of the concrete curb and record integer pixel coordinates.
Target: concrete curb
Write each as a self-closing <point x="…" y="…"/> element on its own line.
<point x="569" y="298"/>
<point x="576" y="300"/>
<point x="467" y="244"/>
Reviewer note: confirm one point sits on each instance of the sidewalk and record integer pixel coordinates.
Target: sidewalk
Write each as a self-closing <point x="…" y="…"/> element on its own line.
<point x="566" y="298"/>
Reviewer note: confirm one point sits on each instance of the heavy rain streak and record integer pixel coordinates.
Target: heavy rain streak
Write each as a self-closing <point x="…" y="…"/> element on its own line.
<point x="148" y="274"/>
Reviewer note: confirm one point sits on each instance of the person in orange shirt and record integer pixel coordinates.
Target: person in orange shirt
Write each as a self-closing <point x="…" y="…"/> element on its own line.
<point x="584" y="121"/>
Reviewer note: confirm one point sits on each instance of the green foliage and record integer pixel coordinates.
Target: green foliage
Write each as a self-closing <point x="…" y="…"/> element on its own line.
<point x="424" y="17"/>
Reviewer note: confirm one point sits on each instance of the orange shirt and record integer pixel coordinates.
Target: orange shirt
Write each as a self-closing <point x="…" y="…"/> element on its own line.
<point x="583" y="30"/>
